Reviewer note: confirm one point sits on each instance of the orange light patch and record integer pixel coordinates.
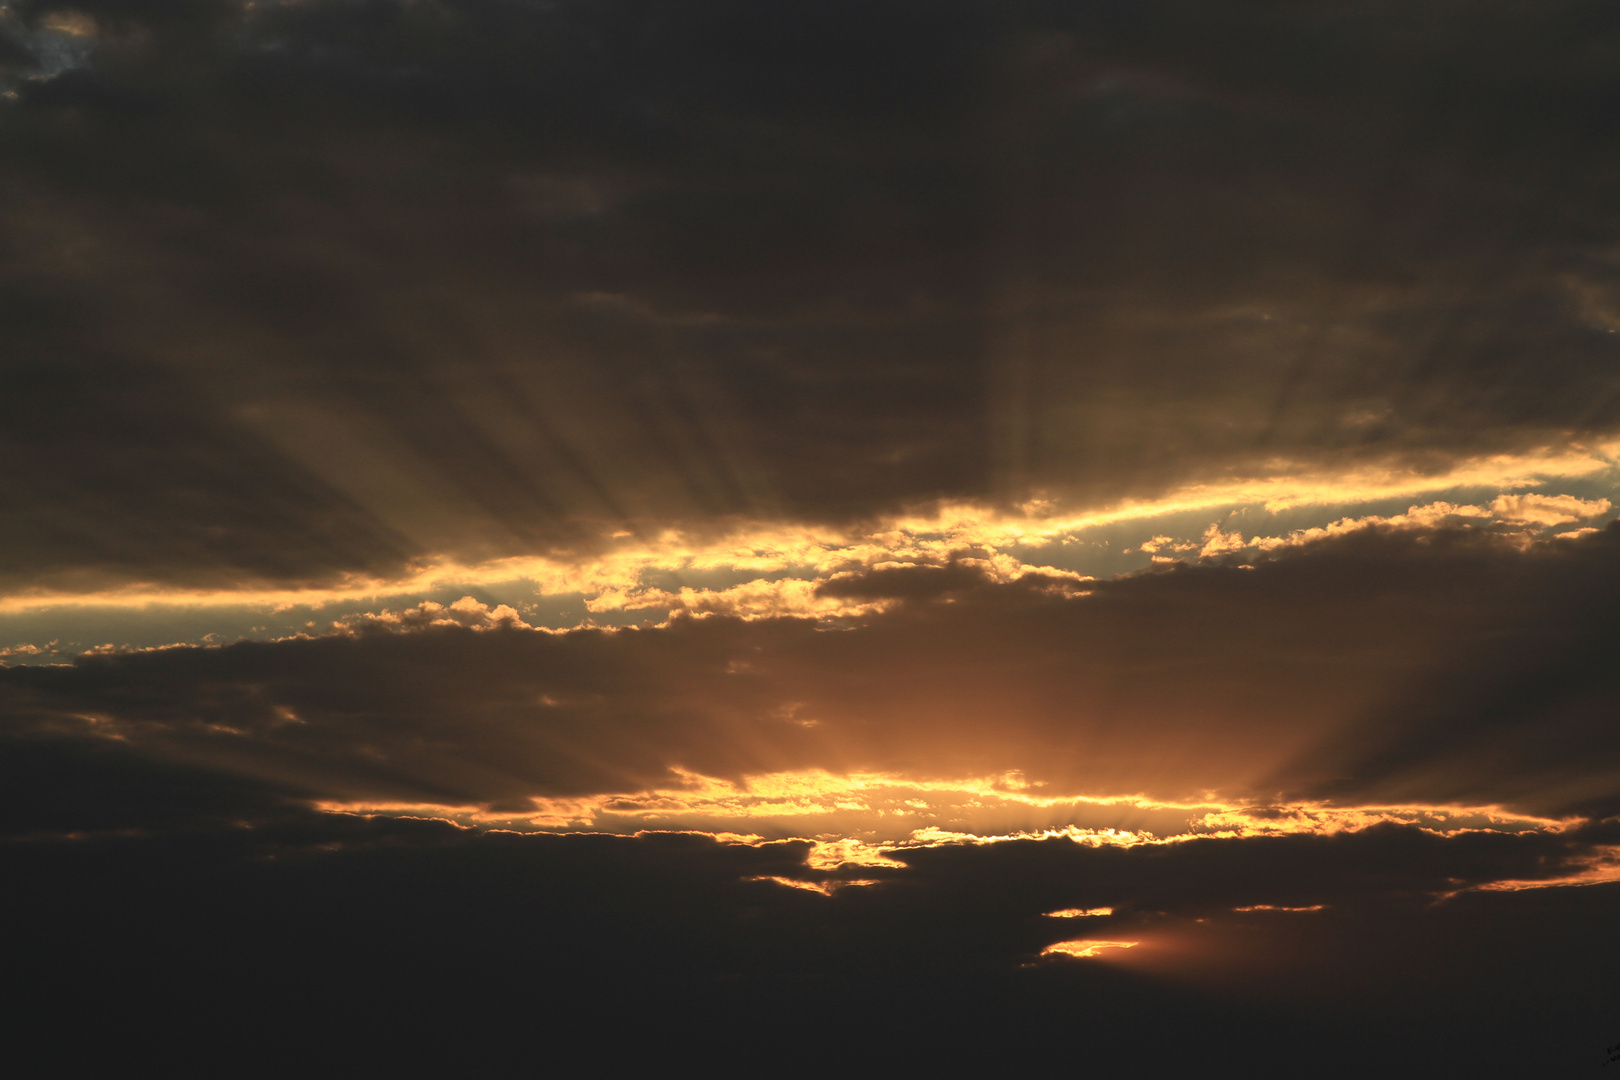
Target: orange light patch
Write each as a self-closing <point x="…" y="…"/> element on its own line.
<point x="1085" y="947"/>
<point x="1080" y="913"/>
<point x="824" y="888"/>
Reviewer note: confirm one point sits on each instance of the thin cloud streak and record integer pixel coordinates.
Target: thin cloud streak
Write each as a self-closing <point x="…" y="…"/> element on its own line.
<point x="615" y="578"/>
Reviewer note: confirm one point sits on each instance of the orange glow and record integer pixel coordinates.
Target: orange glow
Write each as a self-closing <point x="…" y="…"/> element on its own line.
<point x="1085" y="947"/>
<point x="1602" y="867"/>
<point x="894" y="812"/>
<point x="1277" y="907"/>
<point x="867" y="819"/>
<point x="888" y="809"/>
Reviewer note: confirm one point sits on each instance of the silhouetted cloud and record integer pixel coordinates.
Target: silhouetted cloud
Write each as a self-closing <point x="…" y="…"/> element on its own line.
<point x="280" y="934"/>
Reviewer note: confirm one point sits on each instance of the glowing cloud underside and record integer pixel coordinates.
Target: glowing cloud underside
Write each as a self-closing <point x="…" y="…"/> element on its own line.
<point x="1085" y="947"/>
<point x="867" y="819"/>
<point x="886" y="811"/>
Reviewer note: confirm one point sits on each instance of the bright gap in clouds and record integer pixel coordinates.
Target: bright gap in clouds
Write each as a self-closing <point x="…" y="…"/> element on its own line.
<point x="769" y="570"/>
<point x="872" y="820"/>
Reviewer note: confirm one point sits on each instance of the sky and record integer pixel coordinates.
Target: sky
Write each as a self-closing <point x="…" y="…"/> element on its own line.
<point x="893" y="536"/>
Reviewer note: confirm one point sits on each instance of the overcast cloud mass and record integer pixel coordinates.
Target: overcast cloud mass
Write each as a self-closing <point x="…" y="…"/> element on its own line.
<point x="898" y="537"/>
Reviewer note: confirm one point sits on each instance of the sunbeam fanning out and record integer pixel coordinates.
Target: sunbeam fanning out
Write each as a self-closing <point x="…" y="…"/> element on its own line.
<point x="885" y="537"/>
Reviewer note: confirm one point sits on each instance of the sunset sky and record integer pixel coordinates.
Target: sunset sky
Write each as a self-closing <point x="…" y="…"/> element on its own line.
<point x="893" y="537"/>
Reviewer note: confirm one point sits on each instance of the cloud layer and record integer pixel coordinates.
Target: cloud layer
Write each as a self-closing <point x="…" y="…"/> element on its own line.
<point x="1393" y="666"/>
<point x="888" y="537"/>
<point x="297" y="290"/>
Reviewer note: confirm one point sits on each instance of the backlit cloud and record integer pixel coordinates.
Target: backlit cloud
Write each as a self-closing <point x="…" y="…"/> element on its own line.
<point x="935" y="537"/>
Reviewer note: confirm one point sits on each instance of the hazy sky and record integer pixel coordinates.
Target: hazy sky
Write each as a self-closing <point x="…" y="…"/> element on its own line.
<point x="886" y="536"/>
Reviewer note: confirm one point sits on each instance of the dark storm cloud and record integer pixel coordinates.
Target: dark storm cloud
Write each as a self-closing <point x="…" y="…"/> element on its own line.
<point x="484" y="277"/>
<point x="280" y="934"/>
<point x="1413" y="667"/>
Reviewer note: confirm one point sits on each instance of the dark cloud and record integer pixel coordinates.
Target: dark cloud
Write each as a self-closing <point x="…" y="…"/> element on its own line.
<point x="496" y="276"/>
<point x="57" y="785"/>
<point x="135" y="446"/>
<point x="196" y="912"/>
<point x="283" y="934"/>
<point x="918" y="582"/>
